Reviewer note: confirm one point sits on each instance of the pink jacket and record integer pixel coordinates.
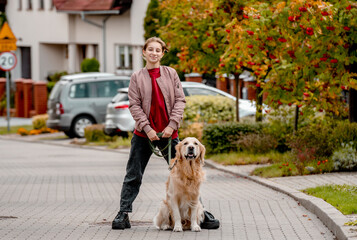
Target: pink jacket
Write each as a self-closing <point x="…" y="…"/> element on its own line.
<point x="140" y="97"/>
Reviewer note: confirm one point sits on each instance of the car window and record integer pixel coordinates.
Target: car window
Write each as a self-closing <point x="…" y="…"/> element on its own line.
<point x="202" y="91"/>
<point x="100" y="89"/>
<point x="115" y="85"/>
<point x="56" y="91"/>
<point x="79" y="90"/>
<point x="120" y="97"/>
<point x="106" y="89"/>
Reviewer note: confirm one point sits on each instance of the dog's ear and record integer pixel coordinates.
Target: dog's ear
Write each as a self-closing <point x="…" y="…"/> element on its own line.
<point x="202" y="153"/>
<point x="178" y="151"/>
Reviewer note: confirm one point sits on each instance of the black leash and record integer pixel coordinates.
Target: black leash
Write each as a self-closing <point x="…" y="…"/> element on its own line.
<point x="158" y="152"/>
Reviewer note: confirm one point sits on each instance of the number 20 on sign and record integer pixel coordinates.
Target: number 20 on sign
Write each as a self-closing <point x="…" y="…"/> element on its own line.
<point x="8" y="61"/>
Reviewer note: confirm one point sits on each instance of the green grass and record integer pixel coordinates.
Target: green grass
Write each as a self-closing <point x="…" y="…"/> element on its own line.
<point x="243" y="158"/>
<point x="13" y="129"/>
<point x="342" y="197"/>
<point x="286" y="167"/>
<point x="276" y="170"/>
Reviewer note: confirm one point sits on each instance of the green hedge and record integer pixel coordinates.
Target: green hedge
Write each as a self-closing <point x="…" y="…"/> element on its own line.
<point x="209" y="109"/>
<point x="223" y="137"/>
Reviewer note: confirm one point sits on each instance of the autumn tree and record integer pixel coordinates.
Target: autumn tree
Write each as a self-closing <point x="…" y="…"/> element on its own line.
<point x="303" y="43"/>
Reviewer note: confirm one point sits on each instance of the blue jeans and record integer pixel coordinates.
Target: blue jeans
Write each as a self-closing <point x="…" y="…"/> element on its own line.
<point x="139" y="156"/>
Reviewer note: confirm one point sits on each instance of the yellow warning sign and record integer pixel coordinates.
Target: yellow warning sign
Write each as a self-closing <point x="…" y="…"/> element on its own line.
<point x="7" y="39"/>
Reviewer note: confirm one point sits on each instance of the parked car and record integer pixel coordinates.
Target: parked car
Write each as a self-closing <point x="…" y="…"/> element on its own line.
<point x="118" y="120"/>
<point x="79" y="100"/>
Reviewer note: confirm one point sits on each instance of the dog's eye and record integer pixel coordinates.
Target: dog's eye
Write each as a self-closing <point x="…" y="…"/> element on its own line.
<point x="185" y="143"/>
<point x="196" y="143"/>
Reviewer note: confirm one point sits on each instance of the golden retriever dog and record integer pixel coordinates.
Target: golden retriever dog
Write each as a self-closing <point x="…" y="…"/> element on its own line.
<point x="182" y="208"/>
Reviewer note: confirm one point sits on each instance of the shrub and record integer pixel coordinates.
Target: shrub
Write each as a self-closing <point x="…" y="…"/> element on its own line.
<point x="90" y="65"/>
<point x="316" y="136"/>
<point x="345" y="158"/>
<point x="39" y="121"/>
<point x="209" y="109"/>
<point x="223" y="137"/>
<point x="55" y="77"/>
<point x="191" y="130"/>
<point x="257" y="143"/>
<point x="344" y="132"/>
<point x="95" y="133"/>
<point x="279" y="131"/>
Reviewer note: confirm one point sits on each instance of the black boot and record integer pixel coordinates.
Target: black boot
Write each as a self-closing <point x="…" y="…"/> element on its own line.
<point x="121" y="221"/>
<point x="209" y="222"/>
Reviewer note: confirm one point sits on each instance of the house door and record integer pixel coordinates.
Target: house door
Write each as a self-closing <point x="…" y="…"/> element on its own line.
<point x="26" y="62"/>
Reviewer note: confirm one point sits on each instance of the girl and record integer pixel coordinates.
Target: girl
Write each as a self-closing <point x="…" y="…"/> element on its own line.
<point x="156" y="102"/>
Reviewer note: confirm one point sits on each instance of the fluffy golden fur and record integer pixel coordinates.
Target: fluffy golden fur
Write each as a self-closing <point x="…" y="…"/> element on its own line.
<point x="182" y="208"/>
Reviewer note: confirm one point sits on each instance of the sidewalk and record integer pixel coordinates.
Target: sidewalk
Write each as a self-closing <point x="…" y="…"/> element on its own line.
<point x="15" y="121"/>
<point x="291" y="186"/>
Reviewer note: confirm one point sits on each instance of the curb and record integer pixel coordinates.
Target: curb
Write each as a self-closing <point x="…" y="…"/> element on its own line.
<point x="329" y="215"/>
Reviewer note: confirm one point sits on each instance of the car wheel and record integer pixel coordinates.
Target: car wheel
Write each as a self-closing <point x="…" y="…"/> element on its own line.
<point x="79" y="124"/>
<point x="69" y="134"/>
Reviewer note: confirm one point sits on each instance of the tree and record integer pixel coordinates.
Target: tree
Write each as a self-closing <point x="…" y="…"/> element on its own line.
<point x="299" y="50"/>
<point x="152" y="20"/>
<point x="284" y="37"/>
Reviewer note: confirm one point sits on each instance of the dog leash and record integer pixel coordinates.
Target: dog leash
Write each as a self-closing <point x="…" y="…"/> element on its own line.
<point x="158" y="153"/>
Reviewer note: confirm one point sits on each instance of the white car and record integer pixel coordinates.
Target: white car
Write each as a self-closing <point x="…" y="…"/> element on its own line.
<point x="118" y="120"/>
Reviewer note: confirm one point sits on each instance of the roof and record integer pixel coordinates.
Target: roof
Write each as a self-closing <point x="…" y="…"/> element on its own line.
<point x="92" y="5"/>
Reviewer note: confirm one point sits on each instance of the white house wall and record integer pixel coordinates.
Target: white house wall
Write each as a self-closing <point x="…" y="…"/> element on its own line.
<point x="39" y="29"/>
<point x="52" y="58"/>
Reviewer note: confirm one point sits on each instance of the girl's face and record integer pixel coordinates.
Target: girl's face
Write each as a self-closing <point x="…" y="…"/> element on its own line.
<point x="153" y="52"/>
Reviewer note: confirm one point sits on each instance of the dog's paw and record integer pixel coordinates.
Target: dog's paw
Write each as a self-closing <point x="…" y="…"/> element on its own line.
<point x="195" y="228"/>
<point x="178" y="228"/>
<point x="165" y="227"/>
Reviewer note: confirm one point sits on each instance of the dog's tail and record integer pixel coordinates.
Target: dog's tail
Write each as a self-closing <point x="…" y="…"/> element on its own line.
<point x="162" y="220"/>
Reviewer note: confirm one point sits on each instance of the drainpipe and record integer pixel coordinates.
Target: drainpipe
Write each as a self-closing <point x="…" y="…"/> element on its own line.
<point x="103" y="27"/>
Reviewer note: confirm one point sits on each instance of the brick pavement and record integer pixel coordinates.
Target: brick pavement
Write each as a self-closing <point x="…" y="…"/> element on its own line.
<point x="58" y="192"/>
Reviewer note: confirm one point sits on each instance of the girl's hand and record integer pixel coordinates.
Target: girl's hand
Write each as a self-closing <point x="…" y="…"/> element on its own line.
<point x="167" y="132"/>
<point x="152" y="135"/>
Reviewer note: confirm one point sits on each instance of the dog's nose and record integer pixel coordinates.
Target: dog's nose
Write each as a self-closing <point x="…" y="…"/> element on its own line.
<point x="190" y="148"/>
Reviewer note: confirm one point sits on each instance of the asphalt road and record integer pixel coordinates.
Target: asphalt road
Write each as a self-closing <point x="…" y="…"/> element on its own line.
<point x="59" y="192"/>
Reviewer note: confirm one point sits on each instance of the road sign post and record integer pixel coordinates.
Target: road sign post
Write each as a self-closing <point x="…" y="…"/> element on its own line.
<point x="8" y="62"/>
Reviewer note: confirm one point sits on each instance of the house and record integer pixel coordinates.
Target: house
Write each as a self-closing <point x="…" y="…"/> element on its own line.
<point x="56" y="35"/>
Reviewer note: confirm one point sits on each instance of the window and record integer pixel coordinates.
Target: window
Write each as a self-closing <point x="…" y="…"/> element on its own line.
<point x="79" y="90"/>
<point x="29" y="4"/>
<point x="124" y="57"/>
<point x="41" y="5"/>
<point x="19" y="4"/>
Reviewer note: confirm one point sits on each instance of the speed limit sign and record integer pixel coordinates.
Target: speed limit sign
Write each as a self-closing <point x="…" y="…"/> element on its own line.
<point x="8" y="61"/>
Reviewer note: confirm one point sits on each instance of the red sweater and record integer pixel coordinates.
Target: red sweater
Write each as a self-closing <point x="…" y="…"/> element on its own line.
<point x="158" y="117"/>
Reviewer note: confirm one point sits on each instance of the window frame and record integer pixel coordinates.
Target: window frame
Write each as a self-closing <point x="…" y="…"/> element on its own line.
<point x="125" y="51"/>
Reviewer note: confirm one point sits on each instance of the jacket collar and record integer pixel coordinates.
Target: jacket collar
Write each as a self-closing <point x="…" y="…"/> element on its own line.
<point x="147" y="75"/>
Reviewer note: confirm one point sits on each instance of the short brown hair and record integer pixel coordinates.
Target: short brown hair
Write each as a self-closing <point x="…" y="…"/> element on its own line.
<point x="156" y="39"/>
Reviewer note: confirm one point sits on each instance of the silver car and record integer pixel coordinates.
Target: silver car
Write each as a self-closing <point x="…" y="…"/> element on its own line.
<point x="79" y="100"/>
<point x="118" y="120"/>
